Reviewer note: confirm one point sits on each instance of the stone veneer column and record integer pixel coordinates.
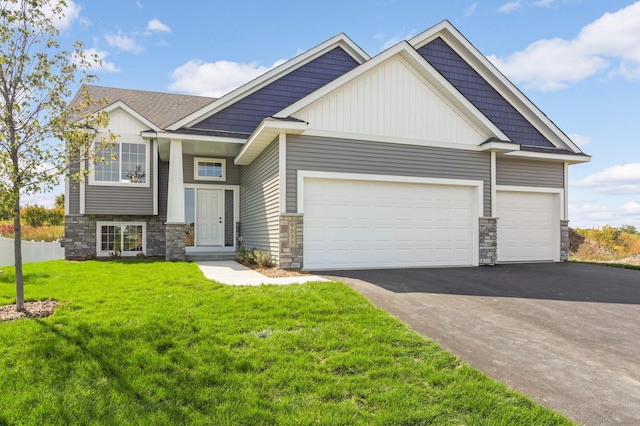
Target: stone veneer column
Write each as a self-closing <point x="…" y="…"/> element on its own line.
<point x="564" y="240"/>
<point x="174" y="241"/>
<point x="291" y="241"/>
<point x="488" y="240"/>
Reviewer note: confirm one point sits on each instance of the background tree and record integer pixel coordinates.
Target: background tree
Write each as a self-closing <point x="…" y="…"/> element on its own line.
<point x="37" y="77"/>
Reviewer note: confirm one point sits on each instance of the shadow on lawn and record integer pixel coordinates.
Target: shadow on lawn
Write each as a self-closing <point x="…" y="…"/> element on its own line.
<point x="549" y="281"/>
<point x="112" y="370"/>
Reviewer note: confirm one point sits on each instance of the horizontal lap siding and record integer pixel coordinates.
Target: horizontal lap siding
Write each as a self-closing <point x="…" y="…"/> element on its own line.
<point x="518" y="172"/>
<point x="260" y="202"/>
<point x="101" y="199"/>
<point x="232" y="172"/>
<point x="74" y="191"/>
<point x="163" y="187"/>
<point x="378" y="158"/>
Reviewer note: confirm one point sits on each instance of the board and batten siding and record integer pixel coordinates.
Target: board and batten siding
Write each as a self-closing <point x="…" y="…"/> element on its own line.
<point x="244" y="115"/>
<point x="260" y="202"/>
<point x="481" y="94"/>
<point x="517" y="172"/>
<point x="378" y="158"/>
<point x="391" y="100"/>
<point x="131" y="200"/>
<point x="232" y="172"/>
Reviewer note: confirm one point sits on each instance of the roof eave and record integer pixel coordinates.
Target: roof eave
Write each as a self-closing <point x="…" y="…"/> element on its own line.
<point x="264" y="134"/>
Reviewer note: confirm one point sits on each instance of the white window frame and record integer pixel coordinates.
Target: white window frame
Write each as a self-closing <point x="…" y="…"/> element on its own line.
<point x="106" y="253"/>
<point x="222" y="161"/>
<point x="147" y="171"/>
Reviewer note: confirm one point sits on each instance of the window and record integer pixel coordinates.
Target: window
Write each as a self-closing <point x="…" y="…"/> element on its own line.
<point x="126" y="238"/>
<point x="130" y="165"/>
<point x="209" y="169"/>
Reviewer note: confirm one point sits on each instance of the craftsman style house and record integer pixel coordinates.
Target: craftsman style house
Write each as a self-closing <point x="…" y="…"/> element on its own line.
<point x="424" y="155"/>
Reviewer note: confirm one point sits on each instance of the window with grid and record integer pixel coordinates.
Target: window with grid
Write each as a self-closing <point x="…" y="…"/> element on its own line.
<point x="209" y="169"/>
<point x="126" y="238"/>
<point x="123" y="163"/>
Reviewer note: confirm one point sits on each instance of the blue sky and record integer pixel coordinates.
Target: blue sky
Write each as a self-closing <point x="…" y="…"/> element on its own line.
<point x="577" y="60"/>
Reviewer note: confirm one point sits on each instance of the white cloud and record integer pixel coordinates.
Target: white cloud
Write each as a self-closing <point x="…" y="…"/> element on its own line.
<point x="470" y="10"/>
<point x="157" y="26"/>
<point x="215" y="78"/>
<point x="138" y="4"/>
<point x="95" y="65"/>
<point x="579" y="139"/>
<point x="70" y="13"/>
<point x="553" y="64"/>
<point x="392" y="41"/>
<point x="597" y="215"/>
<point x="624" y="179"/>
<point x="123" y="42"/>
<point x="544" y="3"/>
<point x="510" y="6"/>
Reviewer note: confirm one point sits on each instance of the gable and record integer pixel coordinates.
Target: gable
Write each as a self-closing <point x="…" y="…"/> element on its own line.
<point x="391" y="100"/>
<point x="481" y="94"/>
<point x="244" y="115"/>
<point x="123" y="123"/>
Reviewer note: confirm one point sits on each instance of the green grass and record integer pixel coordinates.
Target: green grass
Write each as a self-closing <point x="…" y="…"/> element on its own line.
<point x="150" y="342"/>
<point x="612" y="265"/>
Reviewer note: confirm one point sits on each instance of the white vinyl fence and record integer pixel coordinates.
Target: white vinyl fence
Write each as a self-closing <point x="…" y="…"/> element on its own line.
<point x="32" y="251"/>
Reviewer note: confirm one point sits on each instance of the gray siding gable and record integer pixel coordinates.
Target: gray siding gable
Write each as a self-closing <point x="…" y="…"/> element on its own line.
<point x="245" y="115"/>
<point x="481" y="94"/>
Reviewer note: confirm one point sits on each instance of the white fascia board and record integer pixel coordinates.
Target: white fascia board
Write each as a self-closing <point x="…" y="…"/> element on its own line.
<point x="131" y="112"/>
<point x="501" y="147"/>
<point x="188" y="137"/>
<point x="424" y="69"/>
<point x="264" y="134"/>
<point x="492" y="75"/>
<point x="340" y="40"/>
<point x="564" y="158"/>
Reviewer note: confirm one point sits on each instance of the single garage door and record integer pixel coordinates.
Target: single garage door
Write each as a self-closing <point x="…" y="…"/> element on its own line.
<point x="371" y="224"/>
<point x="528" y="226"/>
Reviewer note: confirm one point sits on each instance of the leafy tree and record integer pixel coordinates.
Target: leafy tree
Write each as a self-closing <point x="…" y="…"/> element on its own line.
<point x="37" y="77"/>
<point x="35" y="215"/>
<point x="629" y="229"/>
<point x="59" y="202"/>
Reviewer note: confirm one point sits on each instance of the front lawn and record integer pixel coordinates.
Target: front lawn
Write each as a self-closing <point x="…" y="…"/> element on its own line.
<point x="150" y="342"/>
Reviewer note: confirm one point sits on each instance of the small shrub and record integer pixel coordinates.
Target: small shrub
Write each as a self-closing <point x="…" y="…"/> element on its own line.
<point x="254" y="256"/>
<point x="262" y="258"/>
<point x="114" y="254"/>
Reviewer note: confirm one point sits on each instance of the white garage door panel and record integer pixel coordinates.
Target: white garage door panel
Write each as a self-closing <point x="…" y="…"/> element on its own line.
<point x="361" y="224"/>
<point x="528" y="226"/>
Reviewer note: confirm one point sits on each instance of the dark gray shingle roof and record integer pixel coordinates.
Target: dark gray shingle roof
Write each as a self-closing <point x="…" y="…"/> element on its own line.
<point x="162" y="109"/>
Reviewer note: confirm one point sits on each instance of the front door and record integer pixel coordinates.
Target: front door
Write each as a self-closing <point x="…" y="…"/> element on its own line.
<point x="209" y="218"/>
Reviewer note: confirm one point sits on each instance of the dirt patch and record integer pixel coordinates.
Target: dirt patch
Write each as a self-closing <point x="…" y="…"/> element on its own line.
<point x="275" y="272"/>
<point x="39" y="309"/>
<point x="588" y="249"/>
<point x="631" y="260"/>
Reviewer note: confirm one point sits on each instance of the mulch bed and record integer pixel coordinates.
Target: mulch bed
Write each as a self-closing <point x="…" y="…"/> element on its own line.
<point x="39" y="309"/>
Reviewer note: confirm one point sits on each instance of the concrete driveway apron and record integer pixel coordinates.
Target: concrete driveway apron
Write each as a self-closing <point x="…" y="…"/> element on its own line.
<point x="567" y="335"/>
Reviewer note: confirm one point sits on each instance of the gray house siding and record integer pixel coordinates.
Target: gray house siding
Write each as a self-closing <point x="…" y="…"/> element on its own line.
<point x="232" y="173"/>
<point x="244" y="115"/>
<point x="125" y="200"/>
<point x="518" y="172"/>
<point x="260" y="202"/>
<point x="343" y="155"/>
<point x="481" y="94"/>
<point x="163" y="187"/>
<point x="228" y="218"/>
<point x="74" y="191"/>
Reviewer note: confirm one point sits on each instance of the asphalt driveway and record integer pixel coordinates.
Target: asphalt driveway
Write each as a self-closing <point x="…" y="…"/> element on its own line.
<point x="565" y="334"/>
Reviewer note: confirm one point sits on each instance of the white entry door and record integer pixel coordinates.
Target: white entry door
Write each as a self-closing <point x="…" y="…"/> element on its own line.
<point x="209" y="220"/>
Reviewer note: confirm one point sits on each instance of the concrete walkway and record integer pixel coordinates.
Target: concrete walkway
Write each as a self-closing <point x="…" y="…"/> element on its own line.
<point x="232" y="273"/>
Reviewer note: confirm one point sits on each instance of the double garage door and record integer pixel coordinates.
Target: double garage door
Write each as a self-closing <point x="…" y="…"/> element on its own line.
<point x="373" y="224"/>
